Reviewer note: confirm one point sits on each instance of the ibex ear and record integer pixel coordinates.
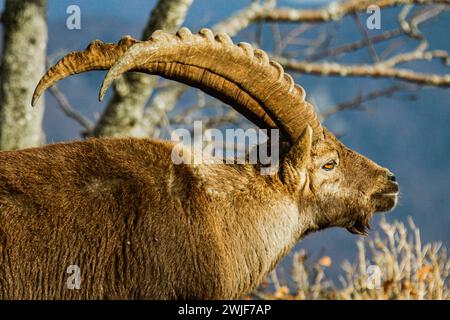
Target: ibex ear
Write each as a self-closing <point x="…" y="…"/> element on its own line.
<point x="297" y="158"/>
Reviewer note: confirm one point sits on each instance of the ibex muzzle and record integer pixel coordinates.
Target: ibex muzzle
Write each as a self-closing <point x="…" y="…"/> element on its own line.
<point x="137" y="225"/>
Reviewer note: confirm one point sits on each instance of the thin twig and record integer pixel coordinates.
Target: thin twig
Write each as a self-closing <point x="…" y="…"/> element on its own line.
<point x="277" y="39"/>
<point x="360" y="99"/>
<point x="243" y="18"/>
<point x="370" y="47"/>
<point x="67" y="108"/>
<point x="417" y="54"/>
<point x="355" y="45"/>
<point x="291" y="36"/>
<point x="364" y="70"/>
<point x="334" y="11"/>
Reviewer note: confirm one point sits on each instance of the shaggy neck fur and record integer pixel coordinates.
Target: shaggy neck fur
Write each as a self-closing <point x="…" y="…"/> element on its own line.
<point x="255" y="239"/>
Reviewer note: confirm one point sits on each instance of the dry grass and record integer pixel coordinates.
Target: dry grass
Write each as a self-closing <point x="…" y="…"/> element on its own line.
<point x="406" y="268"/>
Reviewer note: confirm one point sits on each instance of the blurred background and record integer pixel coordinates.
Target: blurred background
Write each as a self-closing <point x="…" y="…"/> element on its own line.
<point x="401" y="125"/>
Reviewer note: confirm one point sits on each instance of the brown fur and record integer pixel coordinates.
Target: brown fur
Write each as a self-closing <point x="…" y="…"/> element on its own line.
<point x="140" y="226"/>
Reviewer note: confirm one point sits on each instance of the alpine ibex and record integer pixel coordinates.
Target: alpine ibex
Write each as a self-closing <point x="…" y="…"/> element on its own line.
<point x="139" y="226"/>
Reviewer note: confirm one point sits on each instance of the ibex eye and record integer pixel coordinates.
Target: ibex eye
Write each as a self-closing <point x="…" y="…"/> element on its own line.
<point x="329" y="165"/>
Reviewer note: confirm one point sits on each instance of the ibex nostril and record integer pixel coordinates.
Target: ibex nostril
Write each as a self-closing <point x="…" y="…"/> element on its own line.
<point x="391" y="177"/>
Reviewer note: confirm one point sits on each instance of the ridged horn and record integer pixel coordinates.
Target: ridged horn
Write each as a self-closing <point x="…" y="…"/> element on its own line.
<point x="238" y="75"/>
<point x="97" y="56"/>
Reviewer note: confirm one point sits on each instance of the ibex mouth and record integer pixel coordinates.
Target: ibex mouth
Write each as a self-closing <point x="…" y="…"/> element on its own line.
<point x="391" y="190"/>
<point x="385" y="201"/>
<point x="360" y="226"/>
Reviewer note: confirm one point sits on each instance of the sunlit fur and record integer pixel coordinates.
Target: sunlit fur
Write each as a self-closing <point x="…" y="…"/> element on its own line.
<point x="139" y="226"/>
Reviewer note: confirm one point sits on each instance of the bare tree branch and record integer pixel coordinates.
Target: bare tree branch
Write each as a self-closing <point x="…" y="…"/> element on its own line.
<point x="243" y="18"/>
<point x="418" y="54"/>
<point x="334" y="11"/>
<point x="359" y="100"/>
<point x="405" y="28"/>
<point x="71" y="112"/>
<point x="364" y="70"/>
<point x="292" y="36"/>
<point x="371" y="48"/>
<point x="330" y="52"/>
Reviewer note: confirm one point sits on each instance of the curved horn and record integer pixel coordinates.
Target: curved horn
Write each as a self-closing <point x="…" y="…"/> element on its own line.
<point x="102" y="56"/>
<point x="97" y="56"/>
<point x="239" y="75"/>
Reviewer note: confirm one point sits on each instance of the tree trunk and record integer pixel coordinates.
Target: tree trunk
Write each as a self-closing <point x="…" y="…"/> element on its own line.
<point x="22" y="65"/>
<point x="123" y="115"/>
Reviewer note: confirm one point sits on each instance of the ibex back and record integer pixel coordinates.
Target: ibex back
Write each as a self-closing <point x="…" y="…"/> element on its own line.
<point x="139" y="226"/>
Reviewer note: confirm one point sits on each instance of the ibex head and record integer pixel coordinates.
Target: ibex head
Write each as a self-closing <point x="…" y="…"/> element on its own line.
<point x="339" y="186"/>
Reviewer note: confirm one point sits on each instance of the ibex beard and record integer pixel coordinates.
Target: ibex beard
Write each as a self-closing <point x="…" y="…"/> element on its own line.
<point x="139" y="226"/>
